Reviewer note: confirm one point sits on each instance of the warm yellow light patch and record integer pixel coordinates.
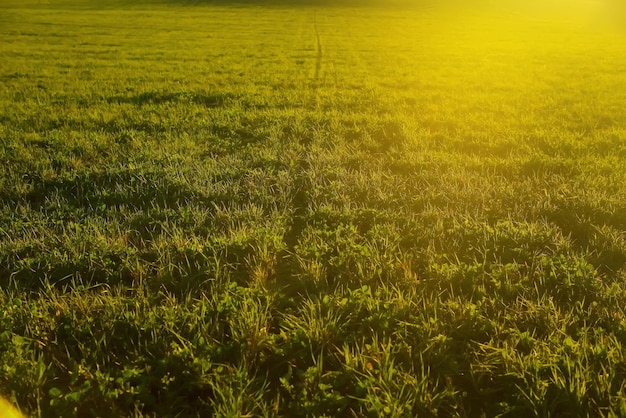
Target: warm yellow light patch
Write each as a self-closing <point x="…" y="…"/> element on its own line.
<point x="8" y="411"/>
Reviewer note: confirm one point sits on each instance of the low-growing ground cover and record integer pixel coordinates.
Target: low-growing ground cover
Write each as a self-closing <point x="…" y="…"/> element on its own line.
<point x="279" y="210"/>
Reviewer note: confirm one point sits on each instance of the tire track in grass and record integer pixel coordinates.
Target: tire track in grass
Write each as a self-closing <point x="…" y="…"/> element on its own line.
<point x="301" y="198"/>
<point x="318" y="47"/>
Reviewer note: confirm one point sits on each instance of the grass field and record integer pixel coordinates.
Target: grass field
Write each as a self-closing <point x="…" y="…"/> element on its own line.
<point x="312" y="209"/>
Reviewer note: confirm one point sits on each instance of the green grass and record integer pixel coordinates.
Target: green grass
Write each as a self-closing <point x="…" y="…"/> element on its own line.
<point x="312" y="210"/>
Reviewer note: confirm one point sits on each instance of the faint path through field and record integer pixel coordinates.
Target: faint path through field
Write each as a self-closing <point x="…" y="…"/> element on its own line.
<point x="318" y="43"/>
<point x="301" y="198"/>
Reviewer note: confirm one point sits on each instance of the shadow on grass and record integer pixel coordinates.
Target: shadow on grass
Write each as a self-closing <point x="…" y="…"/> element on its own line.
<point x="583" y="224"/>
<point x="98" y="190"/>
<point x="151" y="204"/>
<point x="164" y="97"/>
